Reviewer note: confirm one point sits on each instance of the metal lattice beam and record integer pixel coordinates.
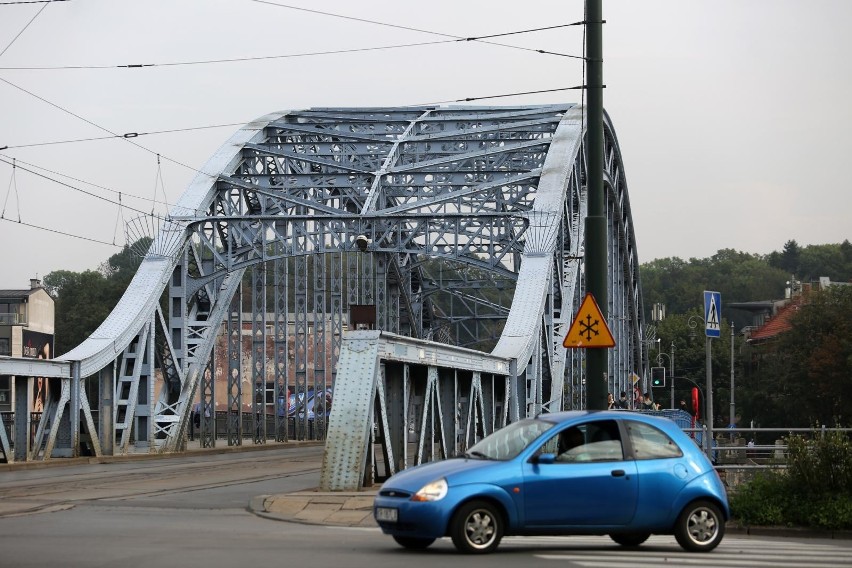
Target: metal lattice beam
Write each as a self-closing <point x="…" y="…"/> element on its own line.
<point x="462" y="225"/>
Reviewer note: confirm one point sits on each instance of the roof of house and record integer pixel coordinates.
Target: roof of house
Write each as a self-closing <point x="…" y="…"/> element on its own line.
<point x="777" y="324"/>
<point x="15" y="294"/>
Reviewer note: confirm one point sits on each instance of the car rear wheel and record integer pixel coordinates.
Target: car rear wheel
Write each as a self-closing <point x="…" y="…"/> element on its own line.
<point x="413" y="543"/>
<point x="700" y="527"/>
<point x="631" y="539"/>
<point x="476" y="528"/>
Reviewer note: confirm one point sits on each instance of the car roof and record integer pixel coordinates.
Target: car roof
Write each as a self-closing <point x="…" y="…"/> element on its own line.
<point x="580" y="415"/>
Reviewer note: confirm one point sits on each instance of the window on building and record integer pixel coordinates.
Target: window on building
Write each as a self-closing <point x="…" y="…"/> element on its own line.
<point x="5" y="390"/>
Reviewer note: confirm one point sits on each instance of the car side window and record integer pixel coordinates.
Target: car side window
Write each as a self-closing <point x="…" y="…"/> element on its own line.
<point x="590" y="442"/>
<point x="651" y="443"/>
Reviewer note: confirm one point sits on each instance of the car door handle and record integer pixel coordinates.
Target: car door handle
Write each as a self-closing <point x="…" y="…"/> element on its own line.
<point x="618" y="473"/>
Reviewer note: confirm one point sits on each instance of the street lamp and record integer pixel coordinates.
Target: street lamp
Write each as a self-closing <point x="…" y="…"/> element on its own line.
<point x="693" y="324"/>
<point x="670" y="357"/>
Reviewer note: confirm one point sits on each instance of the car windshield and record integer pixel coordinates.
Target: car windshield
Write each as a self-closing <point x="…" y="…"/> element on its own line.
<point x="508" y="442"/>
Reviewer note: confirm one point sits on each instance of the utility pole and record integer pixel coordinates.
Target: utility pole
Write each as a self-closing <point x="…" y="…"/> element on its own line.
<point x="596" y="230"/>
<point x="708" y="420"/>
<point x="671" y="362"/>
<point x="733" y="416"/>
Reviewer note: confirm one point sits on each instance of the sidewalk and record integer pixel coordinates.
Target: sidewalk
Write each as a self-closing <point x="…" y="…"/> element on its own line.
<point x="344" y="509"/>
<point x="192" y="447"/>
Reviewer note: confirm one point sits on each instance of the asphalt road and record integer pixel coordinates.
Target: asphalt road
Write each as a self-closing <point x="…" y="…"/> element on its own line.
<point x="192" y="511"/>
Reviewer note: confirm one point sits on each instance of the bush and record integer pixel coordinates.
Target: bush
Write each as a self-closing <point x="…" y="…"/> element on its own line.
<point x="762" y="501"/>
<point x="822" y="465"/>
<point x="815" y="491"/>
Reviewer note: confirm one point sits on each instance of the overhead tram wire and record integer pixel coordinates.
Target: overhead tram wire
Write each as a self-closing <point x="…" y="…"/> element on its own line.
<point x="125" y="135"/>
<point x="14" y="39"/>
<point x="99" y="127"/>
<point x="119" y="193"/>
<point x="298" y="55"/>
<point x="83" y="191"/>
<point x="128" y="136"/>
<point x="63" y="233"/>
<point x="520" y="93"/>
<point x="420" y="30"/>
<point x="137" y="134"/>
<point x="72" y="178"/>
<point x="31" y="2"/>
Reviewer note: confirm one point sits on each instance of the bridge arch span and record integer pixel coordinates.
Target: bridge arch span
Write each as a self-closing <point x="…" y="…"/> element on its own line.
<point x="457" y="225"/>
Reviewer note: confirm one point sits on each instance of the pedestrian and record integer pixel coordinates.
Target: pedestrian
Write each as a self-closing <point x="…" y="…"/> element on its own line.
<point x="647" y="403"/>
<point x="610" y="402"/>
<point x="623" y="403"/>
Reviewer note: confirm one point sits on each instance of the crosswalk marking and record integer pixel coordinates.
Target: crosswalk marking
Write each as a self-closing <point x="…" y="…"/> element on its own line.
<point x="601" y="552"/>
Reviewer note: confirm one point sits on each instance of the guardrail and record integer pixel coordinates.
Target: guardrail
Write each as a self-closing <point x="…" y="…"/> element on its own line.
<point x="12" y="319"/>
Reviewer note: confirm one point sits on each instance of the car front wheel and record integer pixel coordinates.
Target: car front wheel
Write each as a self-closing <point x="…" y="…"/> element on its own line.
<point x="632" y="539"/>
<point x="700" y="527"/>
<point x="476" y="528"/>
<point x="413" y="543"/>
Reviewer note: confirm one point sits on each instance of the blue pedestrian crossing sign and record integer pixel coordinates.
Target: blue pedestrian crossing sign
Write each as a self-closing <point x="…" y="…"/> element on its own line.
<point x="712" y="313"/>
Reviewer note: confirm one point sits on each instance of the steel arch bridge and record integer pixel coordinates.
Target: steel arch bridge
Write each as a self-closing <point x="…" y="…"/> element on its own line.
<point x="456" y="234"/>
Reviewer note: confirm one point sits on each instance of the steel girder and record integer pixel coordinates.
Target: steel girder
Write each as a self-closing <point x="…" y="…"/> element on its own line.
<point x="462" y="225"/>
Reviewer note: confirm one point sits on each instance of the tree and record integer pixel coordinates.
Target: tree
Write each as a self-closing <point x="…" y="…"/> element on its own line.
<point x="690" y="367"/>
<point x="818" y="351"/>
<point x="739" y="276"/>
<point x="823" y="260"/>
<point x="846" y="251"/>
<point x="83" y="300"/>
<point x="789" y="260"/>
<point x="805" y="377"/>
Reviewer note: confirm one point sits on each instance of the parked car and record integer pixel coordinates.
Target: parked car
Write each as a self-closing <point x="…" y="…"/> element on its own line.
<point x="623" y="474"/>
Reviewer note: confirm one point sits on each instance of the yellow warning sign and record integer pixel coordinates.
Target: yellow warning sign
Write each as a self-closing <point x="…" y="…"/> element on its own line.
<point x="589" y="328"/>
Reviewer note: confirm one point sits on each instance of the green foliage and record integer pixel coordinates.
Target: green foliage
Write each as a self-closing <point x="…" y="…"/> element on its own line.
<point x="762" y="501"/>
<point x="688" y="342"/>
<point x="739" y="276"/>
<point x="816" y="490"/>
<point x="85" y="299"/>
<point x="821" y="465"/>
<point x="805" y="377"/>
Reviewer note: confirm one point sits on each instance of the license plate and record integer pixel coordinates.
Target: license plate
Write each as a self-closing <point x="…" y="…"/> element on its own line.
<point x="386" y="514"/>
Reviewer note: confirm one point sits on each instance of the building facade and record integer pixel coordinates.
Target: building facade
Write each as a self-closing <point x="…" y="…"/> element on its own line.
<point x="26" y="330"/>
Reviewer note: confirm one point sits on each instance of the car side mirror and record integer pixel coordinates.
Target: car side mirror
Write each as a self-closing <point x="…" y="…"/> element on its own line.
<point x="544" y="458"/>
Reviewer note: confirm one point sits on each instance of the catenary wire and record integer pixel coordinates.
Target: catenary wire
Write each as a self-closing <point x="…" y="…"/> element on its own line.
<point x="99" y="127"/>
<point x="397" y="26"/>
<point x="31" y="2"/>
<point x="72" y="178"/>
<point x="290" y="55"/>
<point x="504" y="95"/>
<point x="125" y="135"/>
<point x="69" y="186"/>
<point x="14" y="39"/>
<point x="63" y="233"/>
<point x="456" y="38"/>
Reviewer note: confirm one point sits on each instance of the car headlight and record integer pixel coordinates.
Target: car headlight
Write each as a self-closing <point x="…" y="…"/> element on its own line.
<point x="434" y="491"/>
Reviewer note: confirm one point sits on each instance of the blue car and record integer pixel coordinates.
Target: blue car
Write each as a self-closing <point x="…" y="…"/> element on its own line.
<point x="623" y="474"/>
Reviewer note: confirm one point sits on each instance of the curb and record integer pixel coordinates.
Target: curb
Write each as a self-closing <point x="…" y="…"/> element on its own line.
<point x="788" y="532"/>
<point x="93" y="460"/>
<point x="354" y="509"/>
<point x="341" y="509"/>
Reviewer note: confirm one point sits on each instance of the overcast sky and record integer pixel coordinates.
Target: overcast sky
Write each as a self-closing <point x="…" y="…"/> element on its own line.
<point x="732" y="115"/>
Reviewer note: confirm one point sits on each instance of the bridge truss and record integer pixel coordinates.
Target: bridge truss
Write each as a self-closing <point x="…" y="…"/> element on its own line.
<point x="449" y="227"/>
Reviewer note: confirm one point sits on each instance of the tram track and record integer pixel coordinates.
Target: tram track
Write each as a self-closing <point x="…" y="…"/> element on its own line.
<point x="38" y="491"/>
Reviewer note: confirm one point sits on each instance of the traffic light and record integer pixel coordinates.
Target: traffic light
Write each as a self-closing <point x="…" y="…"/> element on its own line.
<point x="658" y="376"/>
